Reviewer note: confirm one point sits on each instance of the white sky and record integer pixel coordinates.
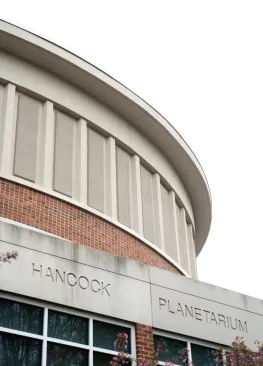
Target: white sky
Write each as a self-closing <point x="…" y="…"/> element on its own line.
<point x="200" y="64"/>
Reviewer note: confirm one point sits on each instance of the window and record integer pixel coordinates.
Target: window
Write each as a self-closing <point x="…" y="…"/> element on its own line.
<point x="105" y="334"/>
<point x="171" y="349"/>
<point x="35" y="335"/>
<point x="203" y="356"/>
<point x="176" y="349"/>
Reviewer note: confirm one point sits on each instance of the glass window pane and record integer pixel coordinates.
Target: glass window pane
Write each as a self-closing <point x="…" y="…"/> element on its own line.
<point x="203" y="356"/>
<point x="20" y="316"/>
<point x="19" y="351"/>
<point x="105" y="334"/>
<point x="171" y="349"/>
<point x="68" y="327"/>
<point x="103" y="359"/>
<point x="58" y="355"/>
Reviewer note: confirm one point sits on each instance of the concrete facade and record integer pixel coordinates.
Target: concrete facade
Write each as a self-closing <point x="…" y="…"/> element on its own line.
<point x="108" y="208"/>
<point x="64" y="140"/>
<point x="79" y="277"/>
<point x="60" y="176"/>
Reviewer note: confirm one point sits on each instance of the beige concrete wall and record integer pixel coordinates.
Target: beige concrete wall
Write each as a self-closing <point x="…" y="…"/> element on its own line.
<point x="148" y="199"/>
<point x="2" y="116"/>
<point x="124" y="186"/>
<point x="168" y="223"/>
<point x="58" y="139"/>
<point x="63" y="153"/>
<point x="28" y="113"/>
<point x="149" y="295"/>
<point x="96" y="170"/>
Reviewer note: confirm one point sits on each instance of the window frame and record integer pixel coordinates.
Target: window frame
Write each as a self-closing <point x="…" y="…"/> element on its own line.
<point x="188" y="341"/>
<point x="67" y="310"/>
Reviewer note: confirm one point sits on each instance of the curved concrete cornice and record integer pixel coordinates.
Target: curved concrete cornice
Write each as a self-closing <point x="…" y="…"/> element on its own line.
<point x="123" y="101"/>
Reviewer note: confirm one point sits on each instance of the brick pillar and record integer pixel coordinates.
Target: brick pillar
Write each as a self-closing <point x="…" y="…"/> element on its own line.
<point x="144" y="342"/>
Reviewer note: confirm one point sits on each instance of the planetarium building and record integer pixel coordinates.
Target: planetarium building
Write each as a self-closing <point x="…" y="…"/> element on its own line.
<point x="108" y="208"/>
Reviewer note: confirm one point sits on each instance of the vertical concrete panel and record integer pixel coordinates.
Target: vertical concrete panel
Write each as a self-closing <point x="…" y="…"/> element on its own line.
<point x="2" y="113"/>
<point x="158" y="214"/>
<point x="96" y="170"/>
<point x="136" y="201"/>
<point x="175" y="223"/>
<point x="111" y="176"/>
<point x="63" y="153"/>
<point x="192" y="254"/>
<point x="168" y="223"/>
<point x="183" y="241"/>
<point x="48" y="138"/>
<point x="25" y="157"/>
<point x="80" y="191"/>
<point x="147" y="204"/>
<point x="76" y="163"/>
<point x="123" y="186"/>
<point x="7" y="137"/>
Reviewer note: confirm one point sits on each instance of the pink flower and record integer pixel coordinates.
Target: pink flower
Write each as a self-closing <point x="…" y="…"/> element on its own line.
<point x="115" y="358"/>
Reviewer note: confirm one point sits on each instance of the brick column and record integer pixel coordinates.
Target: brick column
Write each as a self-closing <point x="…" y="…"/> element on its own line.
<point x="144" y="342"/>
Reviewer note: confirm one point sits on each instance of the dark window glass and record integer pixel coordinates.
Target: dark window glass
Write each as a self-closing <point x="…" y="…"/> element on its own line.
<point x="105" y="334"/>
<point x="103" y="359"/>
<point x="20" y="316"/>
<point x="172" y="350"/>
<point x="203" y="356"/>
<point x="19" y="351"/>
<point x="68" y="327"/>
<point x="60" y="355"/>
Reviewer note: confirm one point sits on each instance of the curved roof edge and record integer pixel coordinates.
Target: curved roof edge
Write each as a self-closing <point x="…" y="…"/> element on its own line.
<point x="126" y="103"/>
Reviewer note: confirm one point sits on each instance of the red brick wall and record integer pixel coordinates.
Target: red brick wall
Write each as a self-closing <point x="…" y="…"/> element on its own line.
<point x="42" y="211"/>
<point x="144" y="342"/>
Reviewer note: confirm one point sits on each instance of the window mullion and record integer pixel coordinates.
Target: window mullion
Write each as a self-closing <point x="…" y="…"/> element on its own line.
<point x="224" y="357"/>
<point x="189" y="353"/>
<point x="90" y="342"/>
<point x="44" y="344"/>
<point x="20" y="333"/>
<point x="107" y="351"/>
<point x="133" y="342"/>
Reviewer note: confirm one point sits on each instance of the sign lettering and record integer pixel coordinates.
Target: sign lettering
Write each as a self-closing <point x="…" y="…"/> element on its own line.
<point x="70" y="279"/>
<point x="202" y="315"/>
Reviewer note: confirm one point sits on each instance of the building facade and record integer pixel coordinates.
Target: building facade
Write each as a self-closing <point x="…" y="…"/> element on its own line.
<point x="108" y="208"/>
